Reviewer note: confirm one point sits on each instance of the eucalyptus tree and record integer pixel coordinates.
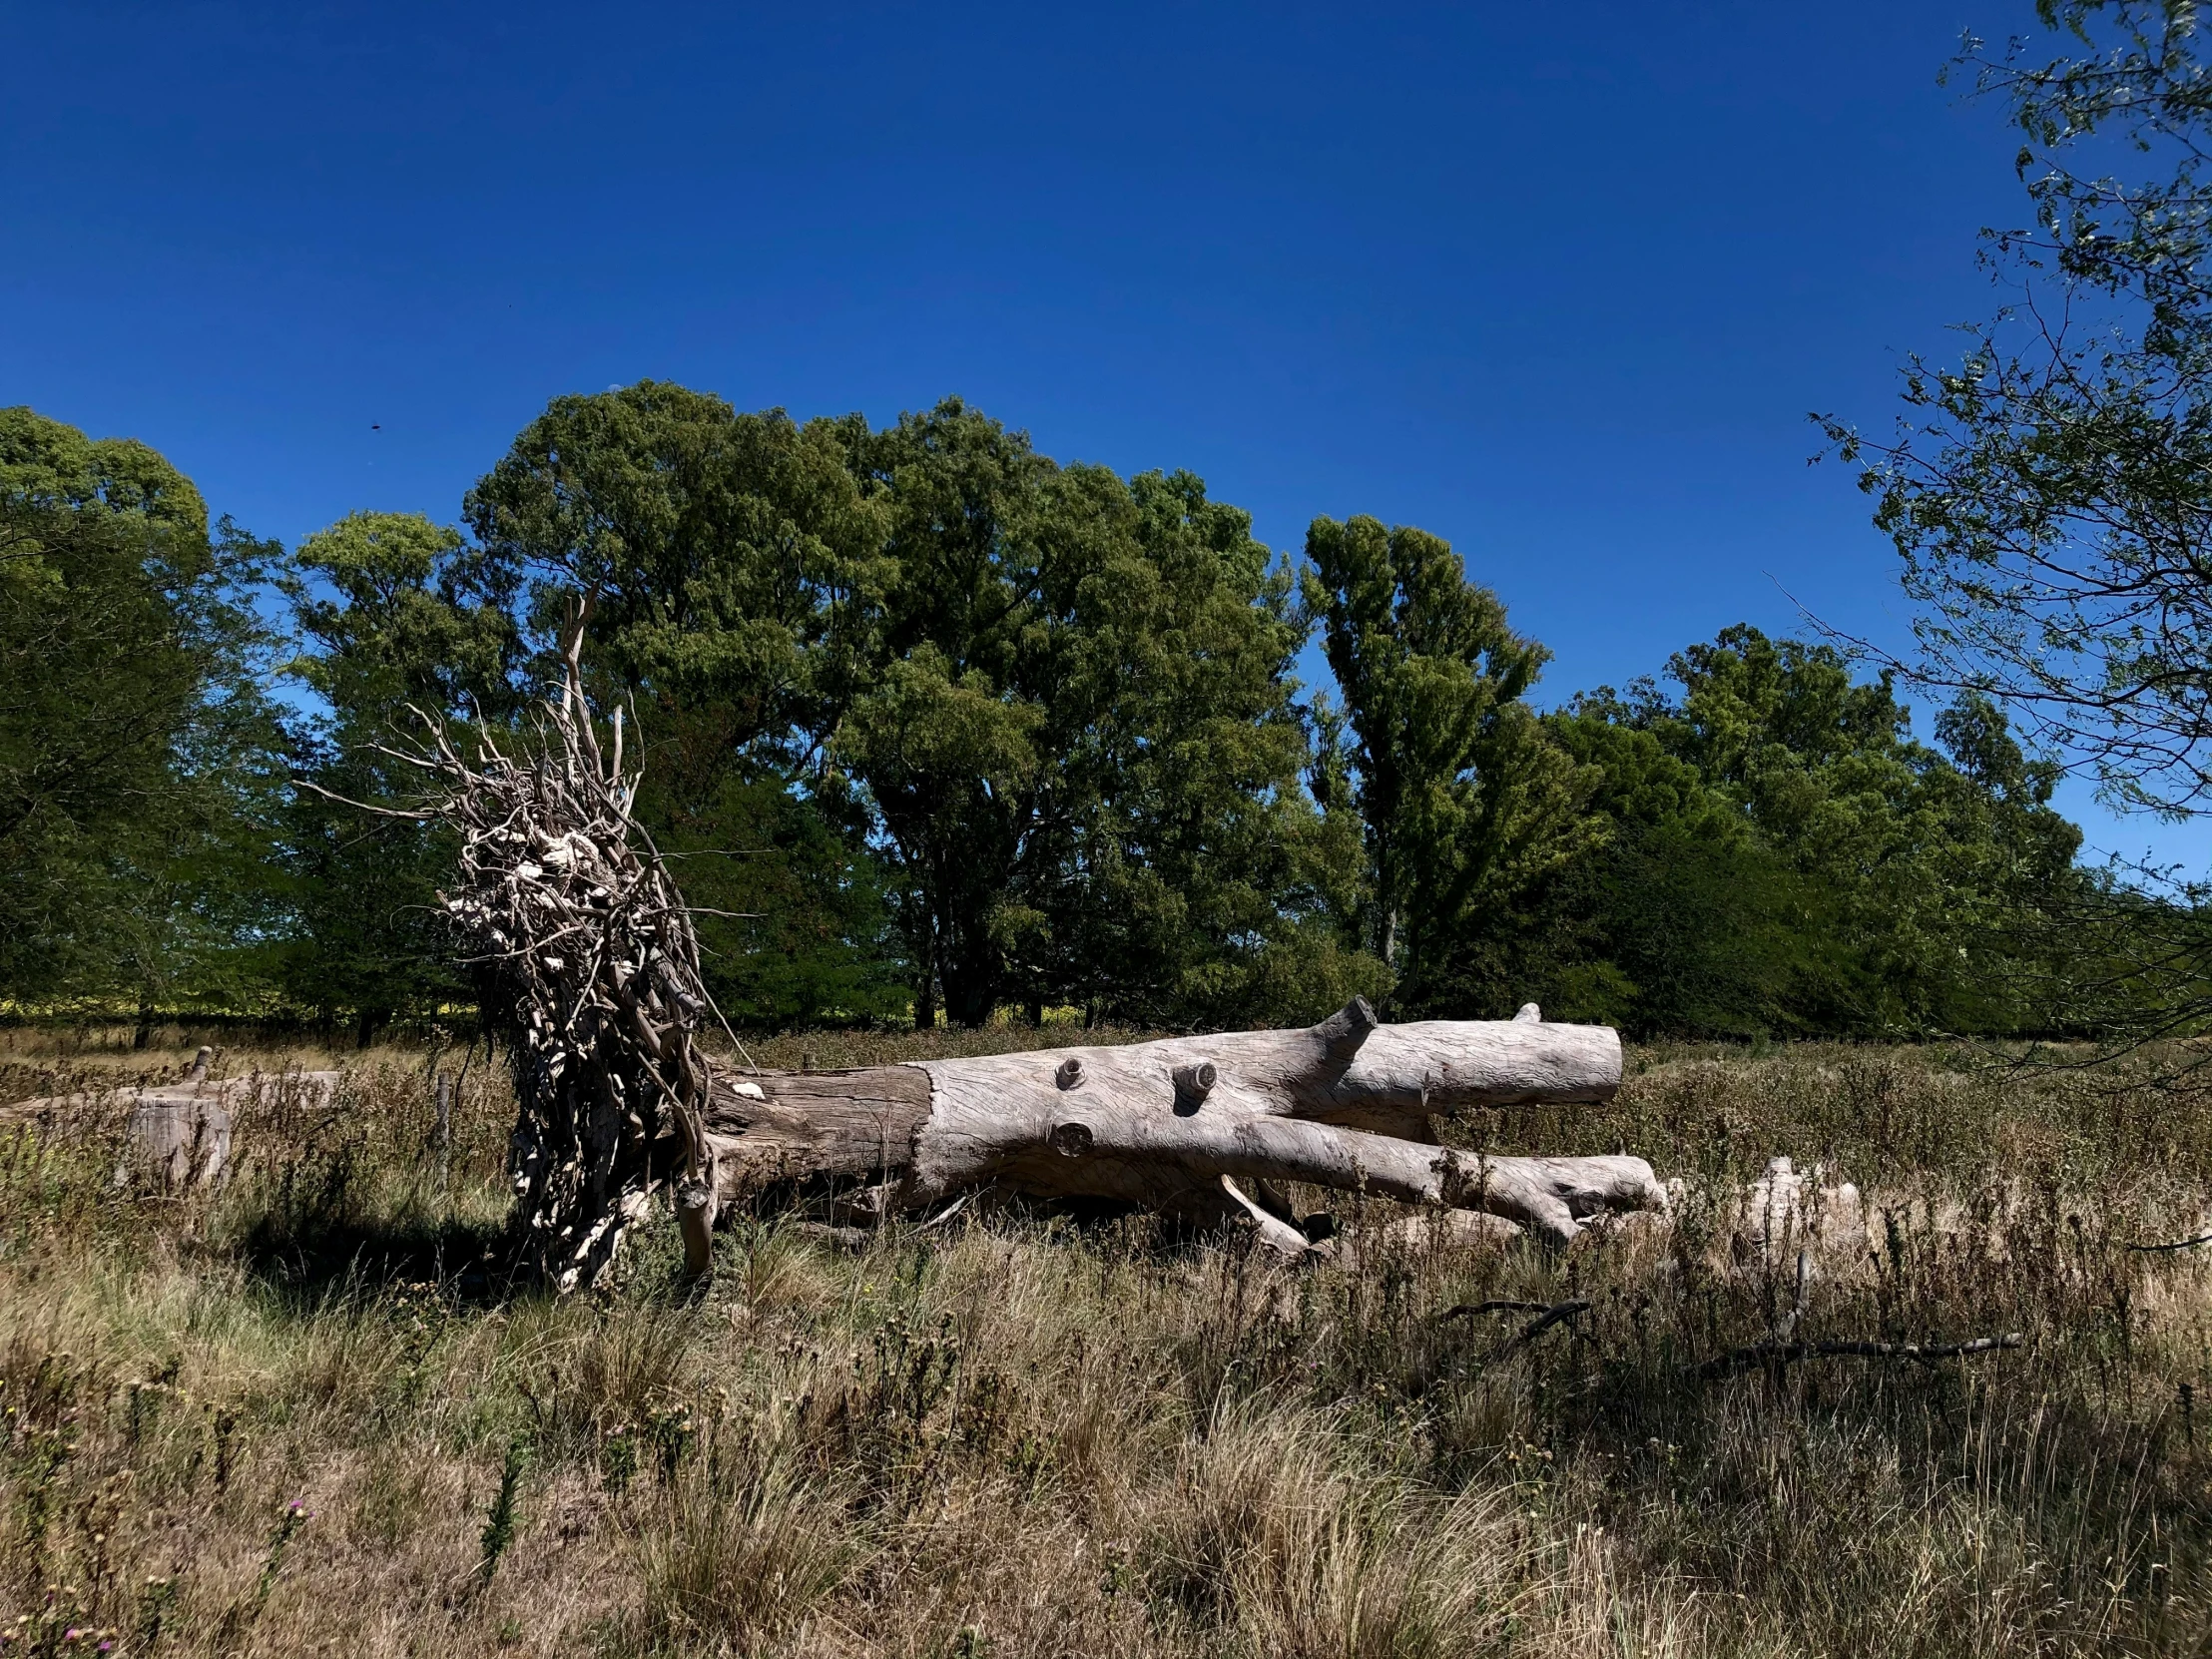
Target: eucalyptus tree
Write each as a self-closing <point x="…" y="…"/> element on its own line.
<point x="2050" y="488"/>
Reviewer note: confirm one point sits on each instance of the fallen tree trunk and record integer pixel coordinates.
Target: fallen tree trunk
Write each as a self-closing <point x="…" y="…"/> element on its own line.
<point x="587" y="966"/>
<point x="1348" y="1105"/>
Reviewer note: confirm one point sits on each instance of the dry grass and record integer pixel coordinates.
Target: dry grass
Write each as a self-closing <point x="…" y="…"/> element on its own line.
<point x="297" y="1416"/>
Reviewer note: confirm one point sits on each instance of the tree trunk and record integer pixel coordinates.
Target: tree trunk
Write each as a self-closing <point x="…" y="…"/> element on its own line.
<point x="970" y="994"/>
<point x="1345" y="1105"/>
<point x="176" y="1134"/>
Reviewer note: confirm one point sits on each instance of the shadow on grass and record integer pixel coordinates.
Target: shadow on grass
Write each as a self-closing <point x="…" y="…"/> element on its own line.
<point x="467" y="1260"/>
<point x="305" y="1239"/>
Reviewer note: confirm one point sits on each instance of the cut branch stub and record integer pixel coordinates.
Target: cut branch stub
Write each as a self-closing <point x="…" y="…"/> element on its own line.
<point x="1342" y="1032"/>
<point x="1194" y="1081"/>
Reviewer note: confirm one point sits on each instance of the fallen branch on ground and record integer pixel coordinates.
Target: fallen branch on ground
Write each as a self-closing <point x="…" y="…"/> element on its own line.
<point x="2178" y="1244"/>
<point x="1536" y="1327"/>
<point x="1785" y="1354"/>
<point x="1467" y="1309"/>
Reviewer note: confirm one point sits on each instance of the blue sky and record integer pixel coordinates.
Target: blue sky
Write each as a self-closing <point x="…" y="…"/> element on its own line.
<point x="1559" y="283"/>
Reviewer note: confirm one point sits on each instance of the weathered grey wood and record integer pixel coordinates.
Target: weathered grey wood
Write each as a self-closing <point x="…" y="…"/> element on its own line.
<point x="1176" y="1125"/>
<point x="857" y="1124"/>
<point x="179" y="1134"/>
<point x="172" y="1142"/>
<point x="1156" y="1159"/>
<point x="1385" y="1079"/>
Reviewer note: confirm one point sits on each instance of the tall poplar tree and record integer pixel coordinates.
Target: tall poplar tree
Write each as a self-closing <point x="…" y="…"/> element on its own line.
<point x="1465" y="800"/>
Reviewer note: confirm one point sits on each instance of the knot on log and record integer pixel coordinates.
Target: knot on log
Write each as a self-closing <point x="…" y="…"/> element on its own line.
<point x="1071" y="1140"/>
<point x="1069" y="1074"/>
<point x="1193" y="1083"/>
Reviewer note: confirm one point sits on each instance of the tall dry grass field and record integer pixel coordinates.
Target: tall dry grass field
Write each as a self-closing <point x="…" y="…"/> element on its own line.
<point x="297" y="1415"/>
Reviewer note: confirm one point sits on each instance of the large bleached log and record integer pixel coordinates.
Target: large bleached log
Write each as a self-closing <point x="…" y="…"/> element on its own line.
<point x="1347" y="1105"/>
<point x="588" y="968"/>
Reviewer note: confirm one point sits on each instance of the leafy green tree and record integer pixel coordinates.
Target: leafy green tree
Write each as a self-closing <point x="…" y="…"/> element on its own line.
<point x="1678" y="917"/>
<point x="1037" y="718"/>
<point x="1467" y="803"/>
<point x="46" y="464"/>
<point x="1071" y="705"/>
<point x="942" y="671"/>
<point x="1199" y="884"/>
<point x="396" y="632"/>
<point x="2050" y="492"/>
<point x="804" y="932"/>
<point x="137" y="774"/>
<point x="1782" y="856"/>
<point x="719" y="548"/>
<point x="1234" y="876"/>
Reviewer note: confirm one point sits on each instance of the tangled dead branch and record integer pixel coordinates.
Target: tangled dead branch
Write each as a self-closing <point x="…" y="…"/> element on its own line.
<point x="586" y="968"/>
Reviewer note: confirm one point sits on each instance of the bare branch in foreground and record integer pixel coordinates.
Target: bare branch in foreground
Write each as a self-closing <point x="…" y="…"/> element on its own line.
<point x="1785" y="1354"/>
<point x="2178" y="1244"/>
<point x="1536" y="1327"/>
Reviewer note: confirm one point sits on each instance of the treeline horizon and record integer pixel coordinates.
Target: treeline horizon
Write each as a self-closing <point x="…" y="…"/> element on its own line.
<point x="936" y="726"/>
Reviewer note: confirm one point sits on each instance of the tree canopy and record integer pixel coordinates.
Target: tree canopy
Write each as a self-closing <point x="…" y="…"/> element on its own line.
<point x="1782" y="856"/>
<point x="2050" y="489"/>
<point x="937" y="726"/>
<point x="138" y="780"/>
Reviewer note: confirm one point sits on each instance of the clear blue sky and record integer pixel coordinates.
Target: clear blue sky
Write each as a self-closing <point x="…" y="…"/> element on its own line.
<point x="1559" y="283"/>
